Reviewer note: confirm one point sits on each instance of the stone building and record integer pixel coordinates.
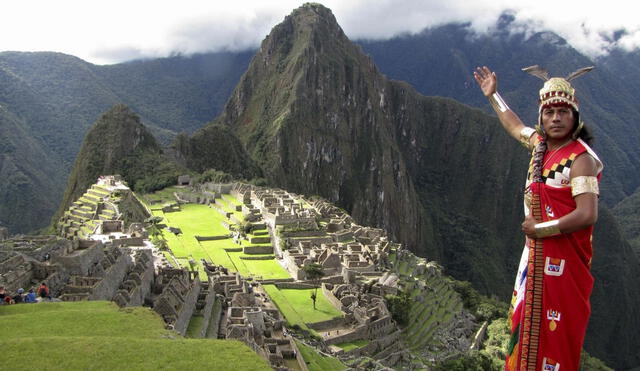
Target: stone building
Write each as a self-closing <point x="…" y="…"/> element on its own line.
<point x="177" y="293"/>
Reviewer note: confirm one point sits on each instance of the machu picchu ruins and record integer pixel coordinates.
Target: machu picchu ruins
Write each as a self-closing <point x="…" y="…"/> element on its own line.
<point x="241" y="273"/>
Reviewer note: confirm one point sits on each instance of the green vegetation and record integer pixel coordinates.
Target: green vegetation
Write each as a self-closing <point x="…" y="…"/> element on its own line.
<point x="118" y="143"/>
<point x="497" y="341"/>
<point x="351" y="345"/>
<point x="400" y="306"/>
<point x="473" y="361"/>
<point x="317" y="362"/>
<point x="99" y="335"/>
<point x="195" y="325"/>
<point x="211" y="175"/>
<point x="314" y="273"/>
<point x="626" y="211"/>
<point x="590" y="363"/>
<point x="201" y="220"/>
<point x="432" y="302"/>
<point x="294" y="305"/>
<point x="156" y="199"/>
<point x="216" y="147"/>
<point x="484" y="308"/>
<point x="197" y="220"/>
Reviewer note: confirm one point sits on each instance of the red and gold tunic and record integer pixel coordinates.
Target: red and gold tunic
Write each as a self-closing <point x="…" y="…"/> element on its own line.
<point x="550" y="303"/>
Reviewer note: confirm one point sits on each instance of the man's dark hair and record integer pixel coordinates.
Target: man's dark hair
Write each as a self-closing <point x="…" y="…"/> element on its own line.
<point x="585" y="132"/>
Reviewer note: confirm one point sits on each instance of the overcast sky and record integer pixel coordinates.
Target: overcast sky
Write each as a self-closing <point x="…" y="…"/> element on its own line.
<point x="118" y="30"/>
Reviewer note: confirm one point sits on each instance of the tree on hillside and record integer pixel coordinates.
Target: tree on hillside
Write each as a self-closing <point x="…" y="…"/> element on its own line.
<point x="156" y="234"/>
<point x="313" y="273"/>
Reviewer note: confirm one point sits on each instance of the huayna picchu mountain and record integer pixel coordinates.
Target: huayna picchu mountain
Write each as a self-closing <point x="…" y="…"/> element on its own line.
<point x="118" y="143"/>
<point x="317" y="116"/>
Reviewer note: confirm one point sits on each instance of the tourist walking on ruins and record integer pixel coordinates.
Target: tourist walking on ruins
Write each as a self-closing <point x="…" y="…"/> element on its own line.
<point x="550" y="305"/>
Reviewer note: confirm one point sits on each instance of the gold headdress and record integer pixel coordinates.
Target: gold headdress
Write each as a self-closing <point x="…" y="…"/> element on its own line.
<point x="557" y="90"/>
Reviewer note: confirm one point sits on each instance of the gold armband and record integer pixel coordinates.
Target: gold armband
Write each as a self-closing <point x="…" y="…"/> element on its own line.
<point x="547" y="229"/>
<point x="498" y="103"/>
<point x="584" y="184"/>
<point x="525" y="136"/>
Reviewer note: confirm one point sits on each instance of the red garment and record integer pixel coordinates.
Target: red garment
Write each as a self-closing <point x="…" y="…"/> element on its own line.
<point x="550" y="305"/>
<point x="43" y="291"/>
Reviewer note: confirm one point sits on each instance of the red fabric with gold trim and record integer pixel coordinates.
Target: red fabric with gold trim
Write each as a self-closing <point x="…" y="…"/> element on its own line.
<point x="555" y="339"/>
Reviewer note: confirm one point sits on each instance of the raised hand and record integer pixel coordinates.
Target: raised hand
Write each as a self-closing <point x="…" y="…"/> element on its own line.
<point x="486" y="79"/>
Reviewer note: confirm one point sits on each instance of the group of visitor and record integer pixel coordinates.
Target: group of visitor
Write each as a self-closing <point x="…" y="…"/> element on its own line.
<point x="21" y="297"/>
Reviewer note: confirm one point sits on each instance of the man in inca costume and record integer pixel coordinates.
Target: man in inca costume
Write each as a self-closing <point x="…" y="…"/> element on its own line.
<point x="550" y="305"/>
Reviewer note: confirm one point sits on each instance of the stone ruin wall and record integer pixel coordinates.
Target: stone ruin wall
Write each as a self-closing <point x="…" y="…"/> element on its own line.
<point x="104" y="274"/>
<point x="136" y="285"/>
<point x="80" y="261"/>
<point x="178" y="297"/>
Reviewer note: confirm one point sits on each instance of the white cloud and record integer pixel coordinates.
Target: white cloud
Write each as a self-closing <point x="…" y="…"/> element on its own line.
<point x="118" y="30"/>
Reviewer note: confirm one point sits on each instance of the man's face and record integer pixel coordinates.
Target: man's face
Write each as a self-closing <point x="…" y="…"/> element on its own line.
<point x="557" y="121"/>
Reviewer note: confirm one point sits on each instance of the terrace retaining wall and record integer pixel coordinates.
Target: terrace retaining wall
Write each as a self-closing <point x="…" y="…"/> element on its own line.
<point x="212" y="238"/>
<point x="270" y="257"/>
<point x="328" y="324"/>
<point x="257" y="249"/>
<point x="359" y="333"/>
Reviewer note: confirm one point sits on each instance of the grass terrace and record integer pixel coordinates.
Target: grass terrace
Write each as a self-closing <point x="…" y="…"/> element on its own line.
<point x="197" y="220"/>
<point x="201" y="220"/>
<point x="297" y="307"/>
<point x="156" y="199"/>
<point x="317" y="362"/>
<point x="97" y="335"/>
<point x="351" y="345"/>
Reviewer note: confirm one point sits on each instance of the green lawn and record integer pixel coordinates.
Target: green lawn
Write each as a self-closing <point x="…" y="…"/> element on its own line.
<point x="232" y="200"/>
<point x="97" y="335"/>
<point x="318" y="362"/>
<point x="197" y="220"/>
<point x="161" y="196"/>
<point x="297" y="307"/>
<point x="195" y="325"/>
<point x="265" y="269"/>
<point x="200" y="220"/>
<point x="352" y="345"/>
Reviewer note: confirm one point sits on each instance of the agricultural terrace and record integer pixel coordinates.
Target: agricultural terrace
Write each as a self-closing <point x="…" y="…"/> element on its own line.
<point x="317" y="362"/>
<point x="91" y="335"/>
<point x="436" y="305"/>
<point x="201" y="220"/>
<point x="297" y="307"/>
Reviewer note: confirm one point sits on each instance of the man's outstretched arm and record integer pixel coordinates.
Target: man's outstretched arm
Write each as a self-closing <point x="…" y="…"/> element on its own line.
<point x="488" y="82"/>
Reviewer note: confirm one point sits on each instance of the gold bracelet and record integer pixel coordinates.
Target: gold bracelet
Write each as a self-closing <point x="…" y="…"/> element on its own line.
<point x="498" y="103"/>
<point x="584" y="184"/>
<point x="548" y="229"/>
<point x="525" y="136"/>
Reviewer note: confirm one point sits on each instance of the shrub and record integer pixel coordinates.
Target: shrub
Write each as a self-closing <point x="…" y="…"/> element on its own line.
<point x="399" y="306"/>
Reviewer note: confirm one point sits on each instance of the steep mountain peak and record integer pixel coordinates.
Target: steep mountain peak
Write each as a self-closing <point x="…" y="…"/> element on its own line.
<point x="309" y="27"/>
<point x="118" y="143"/>
<point x="120" y="130"/>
